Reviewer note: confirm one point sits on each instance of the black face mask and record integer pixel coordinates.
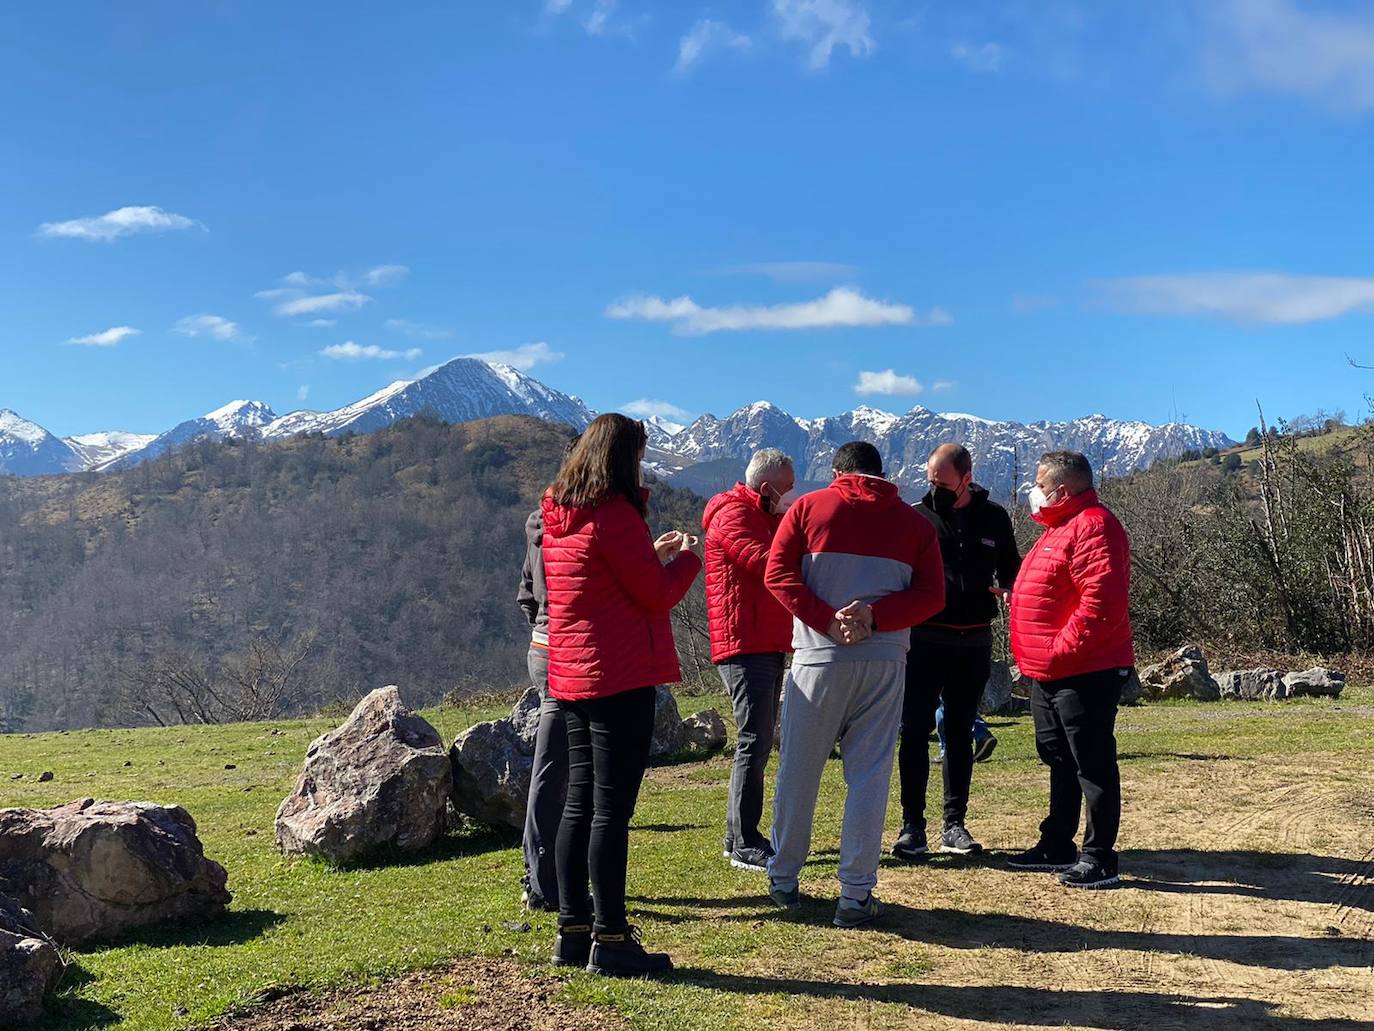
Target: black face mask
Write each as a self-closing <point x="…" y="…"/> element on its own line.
<point x="943" y="499"/>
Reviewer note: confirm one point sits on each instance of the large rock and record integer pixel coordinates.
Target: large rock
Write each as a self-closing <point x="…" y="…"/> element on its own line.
<point x="668" y="732"/>
<point x="90" y="870"/>
<point x="1252" y="685"/>
<point x="30" y="964"/>
<point x="703" y="731"/>
<point x="1182" y="675"/>
<point x="999" y="695"/>
<point x="381" y="780"/>
<point x="1317" y="682"/>
<point x="492" y="762"/>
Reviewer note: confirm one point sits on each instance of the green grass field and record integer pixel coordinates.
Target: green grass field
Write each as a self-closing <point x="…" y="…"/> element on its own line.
<point x="1248" y="838"/>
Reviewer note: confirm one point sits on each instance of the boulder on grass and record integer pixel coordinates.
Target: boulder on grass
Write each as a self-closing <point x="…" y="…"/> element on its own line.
<point x="1252" y="685"/>
<point x="1183" y="674"/>
<point x="492" y="762"/>
<point x="668" y="732"/>
<point x="382" y="780"/>
<point x="1317" y="682"/>
<point x="703" y="731"/>
<point x="999" y="697"/>
<point x="92" y="870"/>
<point x="30" y="964"/>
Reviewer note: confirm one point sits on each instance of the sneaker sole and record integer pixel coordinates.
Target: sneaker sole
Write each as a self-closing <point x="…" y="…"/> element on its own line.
<point x="911" y="855"/>
<point x="568" y="962"/>
<point x="1040" y="867"/>
<point x="740" y="864"/>
<point x="849" y="925"/>
<point x="1109" y="882"/>
<point x="968" y="851"/>
<point x="612" y="972"/>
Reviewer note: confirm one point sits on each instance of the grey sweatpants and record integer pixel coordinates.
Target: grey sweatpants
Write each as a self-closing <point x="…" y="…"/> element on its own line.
<point x="858" y="704"/>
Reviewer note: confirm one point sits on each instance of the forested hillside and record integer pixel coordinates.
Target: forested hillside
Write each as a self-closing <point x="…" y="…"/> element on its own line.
<point x="241" y="580"/>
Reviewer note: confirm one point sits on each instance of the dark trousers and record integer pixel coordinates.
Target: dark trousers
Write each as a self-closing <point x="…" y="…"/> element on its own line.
<point x="1075" y="725"/>
<point x="957" y="673"/>
<point x="755" y="685"/>
<point x="608" y="751"/>
<point x="548" y="782"/>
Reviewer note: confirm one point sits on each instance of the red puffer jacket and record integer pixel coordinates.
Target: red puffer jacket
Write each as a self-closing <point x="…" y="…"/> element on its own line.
<point x="745" y="618"/>
<point x="1070" y="608"/>
<point x="609" y="599"/>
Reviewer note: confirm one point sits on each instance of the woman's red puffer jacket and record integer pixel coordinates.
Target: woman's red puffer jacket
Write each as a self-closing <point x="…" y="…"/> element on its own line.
<point x="609" y="601"/>
<point x="745" y="618"/>
<point x="1070" y="608"/>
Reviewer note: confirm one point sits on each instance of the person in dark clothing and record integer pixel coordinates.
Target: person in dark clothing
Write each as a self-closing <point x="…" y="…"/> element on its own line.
<point x="951" y="653"/>
<point x="549" y="775"/>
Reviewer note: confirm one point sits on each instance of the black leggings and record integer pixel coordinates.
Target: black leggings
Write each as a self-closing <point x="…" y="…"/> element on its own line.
<point x="608" y="751"/>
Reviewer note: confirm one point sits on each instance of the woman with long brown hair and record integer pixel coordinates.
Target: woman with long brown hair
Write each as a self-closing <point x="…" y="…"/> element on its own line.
<point x="611" y="588"/>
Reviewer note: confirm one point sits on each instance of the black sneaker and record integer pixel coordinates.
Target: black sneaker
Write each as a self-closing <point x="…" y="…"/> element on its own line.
<point x="959" y="841"/>
<point x="911" y="846"/>
<point x="1090" y="873"/>
<point x="573" y="946"/>
<point x="982" y="750"/>
<point x="622" y="955"/>
<point x="729" y="849"/>
<point x="752" y="857"/>
<point x="1042" y="858"/>
<point x="784" y="898"/>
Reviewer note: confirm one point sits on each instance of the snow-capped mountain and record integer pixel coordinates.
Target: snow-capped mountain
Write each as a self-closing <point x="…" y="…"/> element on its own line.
<point x="1004" y="453"/>
<point x="27" y="449"/>
<point x="236" y="419"/>
<point x="461" y="390"/>
<point x="95" y="449"/>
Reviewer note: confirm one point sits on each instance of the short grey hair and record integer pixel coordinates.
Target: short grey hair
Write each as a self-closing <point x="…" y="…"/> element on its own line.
<point x="764" y="464"/>
<point x="1071" y="468"/>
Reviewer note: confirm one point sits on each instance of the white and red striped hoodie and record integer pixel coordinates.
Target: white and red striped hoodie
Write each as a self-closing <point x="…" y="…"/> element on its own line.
<point x="855" y="540"/>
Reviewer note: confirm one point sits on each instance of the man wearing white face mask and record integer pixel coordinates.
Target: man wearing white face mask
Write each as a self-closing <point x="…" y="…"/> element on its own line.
<point x="1071" y="634"/>
<point x="750" y="635"/>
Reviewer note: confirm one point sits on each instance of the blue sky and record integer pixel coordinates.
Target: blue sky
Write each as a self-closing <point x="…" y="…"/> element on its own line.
<point x="1022" y="210"/>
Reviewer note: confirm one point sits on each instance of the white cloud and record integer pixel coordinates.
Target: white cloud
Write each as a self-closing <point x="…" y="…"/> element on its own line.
<point x="295" y="296"/>
<point x="418" y="330"/>
<point x="839" y="307"/>
<point x="707" y="36"/>
<point x="349" y="351"/>
<point x="1277" y="46"/>
<point x="984" y="58"/>
<point x="556" y="7"/>
<point x="1246" y="297"/>
<point x="209" y="325"/>
<point x="648" y="408"/>
<point x="106" y="338"/>
<point x="302" y="391"/>
<point x="597" y="19"/>
<point x="795" y="271"/>
<point x="119" y="222"/>
<point x="322" y="323"/>
<point x="524" y="357"/>
<point x="823" y="25"/>
<point x="888" y="382"/>
<point x="941" y="386"/>
<point x="344" y="300"/>
<point x="385" y="275"/>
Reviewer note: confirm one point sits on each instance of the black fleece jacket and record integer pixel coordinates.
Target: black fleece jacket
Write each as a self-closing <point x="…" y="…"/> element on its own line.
<point x="979" y="550"/>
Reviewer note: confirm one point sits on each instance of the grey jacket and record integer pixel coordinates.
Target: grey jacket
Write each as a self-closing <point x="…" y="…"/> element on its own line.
<point x="533" y="596"/>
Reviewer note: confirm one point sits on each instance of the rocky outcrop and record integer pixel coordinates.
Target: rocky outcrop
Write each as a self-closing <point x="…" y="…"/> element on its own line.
<point x="492" y="762"/>
<point x="382" y="780"/>
<point x="668" y="731"/>
<point x="1252" y="685"/>
<point x="1317" y="682"/>
<point x="703" y="731"/>
<point x="30" y="964"/>
<point x="92" y="870"/>
<point x="1183" y="674"/>
<point x="1000" y="697"/>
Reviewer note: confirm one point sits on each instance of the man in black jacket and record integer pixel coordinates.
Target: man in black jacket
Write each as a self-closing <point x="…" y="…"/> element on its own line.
<point x="951" y="654"/>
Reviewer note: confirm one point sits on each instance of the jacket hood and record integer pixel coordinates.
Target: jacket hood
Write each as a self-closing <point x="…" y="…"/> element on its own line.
<point x="534" y="526"/>
<point x="739" y="494"/>
<point x="561" y="520"/>
<point x="977" y="494"/>
<point x="1058" y="515"/>
<point x="858" y="489"/>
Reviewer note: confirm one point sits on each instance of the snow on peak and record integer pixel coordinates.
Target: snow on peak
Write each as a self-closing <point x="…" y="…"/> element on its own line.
<point x="966" y="417"/>
<point x="15" y="426"/>
<point x="237" y="414"/>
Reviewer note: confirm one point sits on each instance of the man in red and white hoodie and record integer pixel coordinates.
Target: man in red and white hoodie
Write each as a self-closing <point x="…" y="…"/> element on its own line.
<point x="1071" y="635"/>
<point x="856" y="567"/>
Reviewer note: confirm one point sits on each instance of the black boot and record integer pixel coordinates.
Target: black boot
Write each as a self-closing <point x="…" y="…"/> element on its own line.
<point x="621" y="955"/>
<point x="573" y="946"/>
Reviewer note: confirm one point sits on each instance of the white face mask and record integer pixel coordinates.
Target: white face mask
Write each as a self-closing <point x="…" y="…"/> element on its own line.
<point x="1039" y="500"/>
<point x="783" y="502"/>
